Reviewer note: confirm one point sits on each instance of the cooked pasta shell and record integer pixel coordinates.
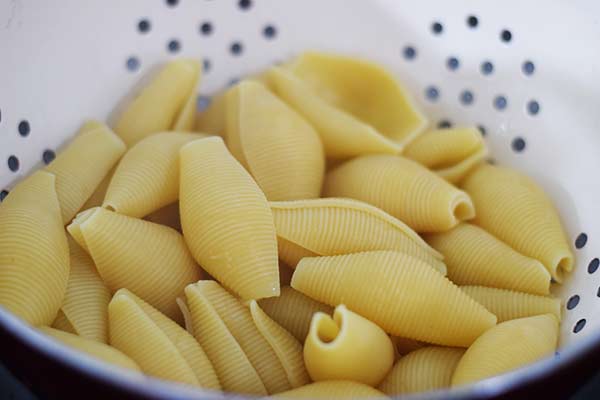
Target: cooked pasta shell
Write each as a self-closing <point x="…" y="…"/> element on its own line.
<point x="285" y="345"/>
<point x="508" y="304"/>
<point x="450" y="153"/>
<point x="402" y="188"/>
<point x="212" y="119"/>
<point x="343" y="135"/>
<point x="93" y="348"/>
<point x="168" y="216"/>
<point x="291" y="253"/>
<point x="147" y="177"/>
<point x="517" y="211"/>
<point x="422" y="370"/>
<point x="61" y="322"/>
<point x="160" y="346"/>
<point x="293" y="311"/>
<point x="82" y="166"/>
<point x="402" y="294"/>
<point x="34" y="254"/>
<point x="160" y="103"/>
<point x="332" y="390"/>
<point x="233" y="368"/>
<point x="149" y="259"/>
<point x="226" y="220"/>
<point x="404" y="346"/>
<point x="508" y="345"/>
<point x="475" y="257"/>
<point x="275" y="144"/>
<point x="332" y="226"/>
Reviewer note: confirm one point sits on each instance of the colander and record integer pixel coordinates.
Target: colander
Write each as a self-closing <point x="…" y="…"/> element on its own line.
<point x="524" y="72"/>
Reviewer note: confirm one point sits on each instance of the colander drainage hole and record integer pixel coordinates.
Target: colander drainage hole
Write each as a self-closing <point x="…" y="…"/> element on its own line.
<point x="506" y="36"/>
<point x="245" y="4"/>
<point x="452" y="63"/>
<point x="173" y="46"/>
<point x="206" y="65"/>
<point x="172" y="3"/>
<point x="269" y="32"/>
<point x="581" y="240"/>
<point x="472" y="21"/>
<point x="3" y="194"/>
<point x="437" y="28"/>
<point x="579" y="325"/>
<point x="202" y="102"/>
<point x="533" y="107"/>
<point x="444" y="124"/>
<point x="500" y="103"/>
<point x="144" y="26"/>
<point x="593" y="266"/>
<point x="206" y="28"/>
<point x="432" y="93"/>
<point x="236" y="48"/>
<point x="528" y="67"/>
<point x="409" y="53"/>
<point x="487" y="68"/>
<point x="132" y="64"/>
<point x="24" y="128"/>
<point x="518" y="144"/>
<point x="13" y="163"/>
<point x="572" y="302"/>
<point x="482" y="130"/>
<point x="48" y="156"/>
<point x="467" y="97"/>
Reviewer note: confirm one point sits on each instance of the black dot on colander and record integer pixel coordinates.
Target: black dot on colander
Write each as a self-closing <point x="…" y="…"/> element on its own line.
<point x="144" y="26"/>
<point x="173" y="46"/>
<point x="572" y="302"/>
<point x="528" y="67"/>
<point x="233" y="81"/>
<point x="3" y="194"/>
<point x="593" y="266"/>
<point x="409" y="53"/>
<point x="202" y="102"/>
<point x="452" y="63"/>
<point x="506" y="36"/>
<point x="579" y="325"/>
<point x="24" y="128"/>
<point x="487" y="68"/>
<point x="245" y="4"/>
<point x="533" y="107"/>
<point x="432" y="93"/>
<point x="500" y="102"/>
<point x="467" y="97"/>
<point x="206" y="65"/>
<point x="236" y="48"/>
<point x="518" y="144"/>
<point x="132" y="63"/>
<point x="206" y="28"/>
<point x="13" y="163"/>
<point x="48" y="156"/>
<point x="444" y="124"/>
<point x="172" y="3"/>
<point x="482" y="130"/>
<point x="269" y="32"/>
<point x="437" y="28"/>
<point x="472" y="21"/>
<point x="581" y="240"/>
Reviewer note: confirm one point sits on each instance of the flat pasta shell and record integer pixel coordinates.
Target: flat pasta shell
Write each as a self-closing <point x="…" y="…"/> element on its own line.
<point x="475" y="257"/>
<point x="167" y="216"/>
<point x="226" y="220"/>
<point x="402" y="294"/>
<point x="516" y="210"/>
<point x="402" y="188"/>
<point x="34" y="254"/>
<point x="332" y="390"/>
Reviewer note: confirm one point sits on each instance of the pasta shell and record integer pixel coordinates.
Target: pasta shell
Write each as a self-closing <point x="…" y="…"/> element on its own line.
<point x="402" y="188"/>
<point x="343" y="135"/>
<point x="74" y="228"/>
<point x="293" y="311"/>
<point x="508" y="345"/>
<point x="226" y="220"/>
<point x="275" y="144"/>
<point x="93" y="348"/>
<point x="422" y="370"/>
<point x="330" y="227"/>
<point x="167" y="216"/>
<point x="82" y="165"/>
<point x="475" y="257"/>
<point x="62" y="323"/>
<point x="517" y="211"/>
<point x="451" y="153"/>
<point x="212" y="120"/>
<point x="186" y="119"/>
<point x="34" y="254"/>
<point x="508" y="304"/>
<point x="332" y="390"/>
<point x="404" y="346"/>
<point x="161" y="347"/>
<point x="291" y="253"/>
<point x="149" y="259"/>
<point x="287" y="348"/>
<point x="187" y="316"/>
<point x="147" y="177"/>
<point x="159" y="104"/>
<point x="400" y="293"/>
<point x="233" y="368"/>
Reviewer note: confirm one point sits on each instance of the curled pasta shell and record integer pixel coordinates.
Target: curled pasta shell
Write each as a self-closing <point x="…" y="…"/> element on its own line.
<point x="168" y="216"/>
<point x="332" y="390"/>
<point x="508" y="345"/>
<point x="34" y="254"/>
<point x="402" y="188"/>
<point x="212" y="119"/>
<point x="147" y="178"/>
<point x="400" y="293"/>
<point x="226" y="220"/>
<point x="517" y="211"/>
<point x="475" y="257"/>
<point x="275" y="144"/>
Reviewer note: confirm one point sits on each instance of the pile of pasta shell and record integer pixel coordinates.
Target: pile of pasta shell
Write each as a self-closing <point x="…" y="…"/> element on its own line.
<point x="304" y="236"/>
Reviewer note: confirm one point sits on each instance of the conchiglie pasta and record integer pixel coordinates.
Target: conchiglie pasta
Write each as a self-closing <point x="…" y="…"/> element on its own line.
<point x="275" y="144"/>
<point x="74" y="228"/>
<point x="82" y="166"/>
<point x="159" y="105"/>
<point x="402" y="188"/>
<point x="34" y="254"/>
<point x="451" y="153"/>
<point x="147" y="178"/>
<point x="160" y="347"/>
<point x="517" y="211"/>
<point x="475" y="257"/>
<point x="226" y="220"/>
<point x="509" y="345"/>
<point x="168" y="216"/>
<point x="212" y="119"/>
<point x="425" y="369"/>
<point x="332" y="390"/>
<point x="400" y="293"/>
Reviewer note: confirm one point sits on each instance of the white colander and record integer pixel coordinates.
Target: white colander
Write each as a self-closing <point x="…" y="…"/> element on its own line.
<point x="526" y="72"/>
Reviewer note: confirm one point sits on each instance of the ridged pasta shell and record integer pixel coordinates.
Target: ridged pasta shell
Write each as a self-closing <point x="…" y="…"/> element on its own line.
<point x="402" y="188"/>
<point x="329" y="227"/>
<point x="422" y="370"/>
<point x="159" y="104"/>
<point x="147" y="178"/>
<point x="226" y="220"/>
<point x="508" y="345"/>
<point x="62" y="323"/>
<point x="233" y="368"/>
<point x="82" y="166"/>
<point x="275" y="144"/>
<point x="212" y="119"/>
<point x="332" y="390"/>
<point x="160" y="347"/>
<point x="149" y="259"/>
<point x="475" y="257"/>
<point x="34" y="254"/>
<point x="167" y="216"/>
<point x="450" y="153"/>
<point x="402" y="294"/>
<point x="516" y="210"/>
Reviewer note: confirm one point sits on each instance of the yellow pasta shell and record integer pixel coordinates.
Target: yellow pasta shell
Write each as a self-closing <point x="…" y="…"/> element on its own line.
<point x="212" y="119"/>
<point x="62" y="323"/>
<point x="508" y="345"/>
<point x="34" y="254"/>
<point x="168" y="216"/>
<point x="402" y="294"/>
<point x="226" y="220"/>
<point x="517" y="211"/>
<point x="332" y="390"/>
<point x="276" y="145"/>
<point x="402" y="188"/>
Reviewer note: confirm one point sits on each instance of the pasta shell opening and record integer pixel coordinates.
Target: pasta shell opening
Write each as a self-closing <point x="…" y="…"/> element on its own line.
<point x="74" y="228"/>
<point x="326" y="330"/>
<point x="563" y="264"/>
<point x="462" y="208"/>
